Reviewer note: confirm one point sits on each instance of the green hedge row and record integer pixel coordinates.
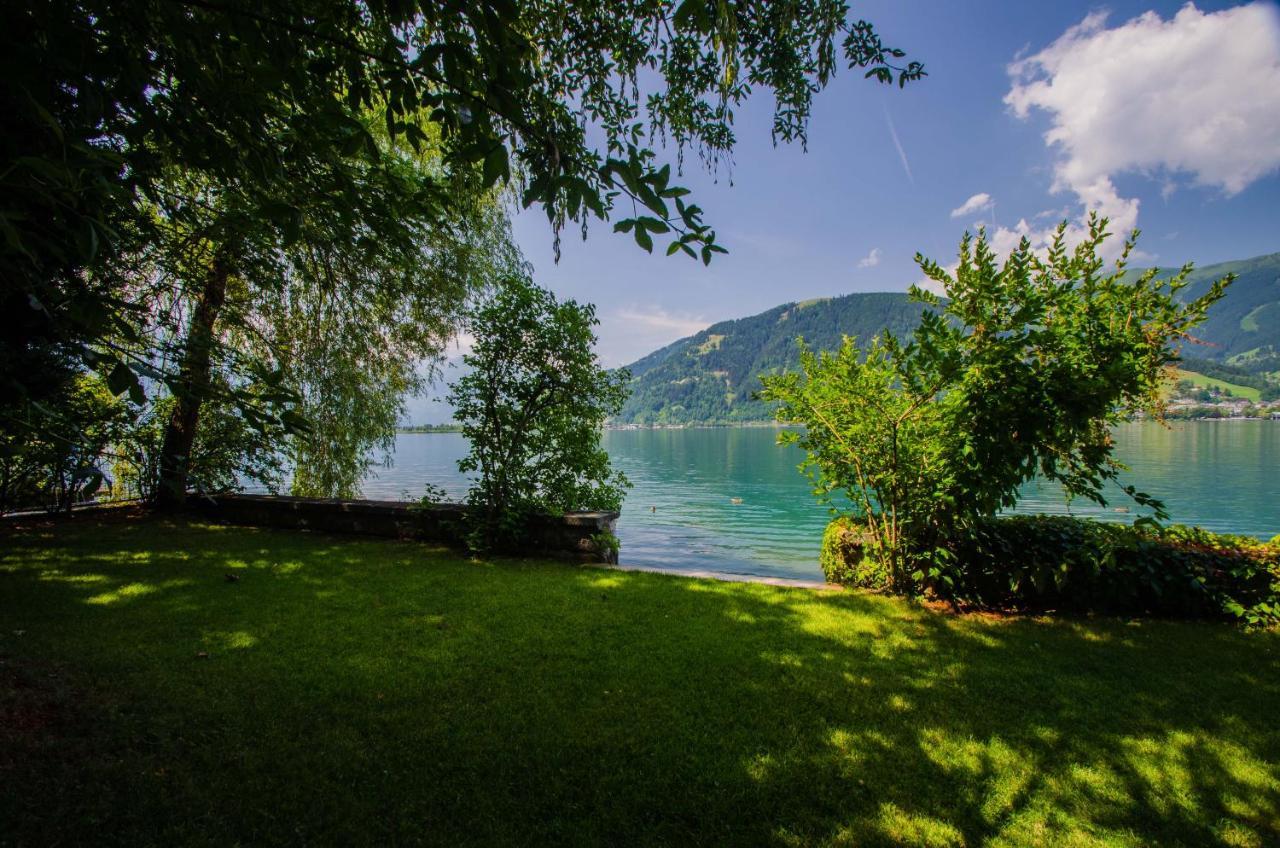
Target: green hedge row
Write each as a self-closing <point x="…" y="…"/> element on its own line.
<point x="1042" y="562"/>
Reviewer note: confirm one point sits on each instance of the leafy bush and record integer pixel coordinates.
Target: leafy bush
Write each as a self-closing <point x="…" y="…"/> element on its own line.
<point x="51" y="453"/>
<point x="607" y="544"/>
<point x="1018" y="374"/>
<point x="847" y="557"/>
<point x="432" y="495"/>
<point x="228" y="451"/>
<point x="533" y="407"/>
<point x="1042" y="562"/>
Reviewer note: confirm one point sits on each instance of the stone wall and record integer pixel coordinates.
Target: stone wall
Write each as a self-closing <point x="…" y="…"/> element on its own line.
<point x="569" y="536"/>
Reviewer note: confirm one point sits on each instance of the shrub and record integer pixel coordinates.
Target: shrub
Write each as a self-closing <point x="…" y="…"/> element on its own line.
<point x="533" y="406"/>
<point x="51" y="453"/>
<point x="1041" y="562"/>
<point x="1017" y="373"/>
<point x="847" y="556"/>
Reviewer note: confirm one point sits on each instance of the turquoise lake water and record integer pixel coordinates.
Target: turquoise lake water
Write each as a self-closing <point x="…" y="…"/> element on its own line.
<point x="680" y="515"/>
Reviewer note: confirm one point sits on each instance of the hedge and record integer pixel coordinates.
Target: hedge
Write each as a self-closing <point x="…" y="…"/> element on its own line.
<point x="1041" y="562"/>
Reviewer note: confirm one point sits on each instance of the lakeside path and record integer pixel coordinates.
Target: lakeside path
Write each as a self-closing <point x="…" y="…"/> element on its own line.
<point x="171" y="682"/>
<point x="731" y="577"/>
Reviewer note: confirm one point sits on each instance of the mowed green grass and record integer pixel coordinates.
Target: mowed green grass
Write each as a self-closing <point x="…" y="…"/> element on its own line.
<point x="369" y="692"/>
<point x="1246" y="392"/>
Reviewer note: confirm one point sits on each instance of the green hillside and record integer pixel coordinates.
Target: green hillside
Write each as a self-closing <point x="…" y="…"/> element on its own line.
<point x="1204" y="381"/>
<point x="710" y="377"/>
<point x="1244" y="327"/>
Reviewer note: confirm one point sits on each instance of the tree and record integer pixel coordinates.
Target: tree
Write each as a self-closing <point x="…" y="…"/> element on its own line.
<point x="227" y="453"/>
<point x="335" y="312"/>
<point x="354" y="340"/>
<point x="1016" y="370"/>
<point x="533" y="406"/>
<point x="52" y="454"/>
<point x="262" y="106"/>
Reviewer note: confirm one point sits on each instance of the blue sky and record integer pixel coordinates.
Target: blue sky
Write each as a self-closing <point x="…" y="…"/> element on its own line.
<point x="1165" y="115"/>
<point x="801" y="224"/>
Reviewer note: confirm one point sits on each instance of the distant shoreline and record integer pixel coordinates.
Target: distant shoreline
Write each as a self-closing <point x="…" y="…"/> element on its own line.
<point x="701" y="425"/>
<point x="770" y="425"/>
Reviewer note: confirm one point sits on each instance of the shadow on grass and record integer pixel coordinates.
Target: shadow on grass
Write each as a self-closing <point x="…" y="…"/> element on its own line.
<point x="345" y="690"/>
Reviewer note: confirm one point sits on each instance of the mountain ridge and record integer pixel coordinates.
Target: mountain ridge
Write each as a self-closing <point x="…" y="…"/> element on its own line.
<point x="711" y="376"/>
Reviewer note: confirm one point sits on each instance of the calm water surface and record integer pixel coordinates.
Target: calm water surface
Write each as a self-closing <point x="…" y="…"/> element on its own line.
<point x="1224" y="476"/>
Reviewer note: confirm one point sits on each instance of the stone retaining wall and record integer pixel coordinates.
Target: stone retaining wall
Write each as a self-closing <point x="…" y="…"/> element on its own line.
<point x="570" y="536"/>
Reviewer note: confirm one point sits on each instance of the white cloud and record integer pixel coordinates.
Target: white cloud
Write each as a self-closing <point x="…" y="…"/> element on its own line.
<point x="1056" y="214"/>
<point x="872" y="259"/>
<point x="628" y="333"/>
<point x="657" y="318"/>
<point x="1195" y="98"/>
<point x="980" y="202"/>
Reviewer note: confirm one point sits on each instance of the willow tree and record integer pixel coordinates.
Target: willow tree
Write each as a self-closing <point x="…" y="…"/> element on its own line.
<point x="357" y="332"/>
<point x="322" y="315"/>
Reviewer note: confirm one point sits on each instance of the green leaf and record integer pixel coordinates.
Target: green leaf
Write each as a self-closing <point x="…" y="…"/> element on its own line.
<point x="643" y="239"/>
<point x="121" y="379"/>
<point x="496" y="166"/>
<point x="692" y="15"/>
<point x="652" y="224"/>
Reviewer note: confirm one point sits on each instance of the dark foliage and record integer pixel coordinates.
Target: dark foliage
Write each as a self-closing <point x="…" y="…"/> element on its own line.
<point x="1042" y="562"/>
<point x="107" y="101"/>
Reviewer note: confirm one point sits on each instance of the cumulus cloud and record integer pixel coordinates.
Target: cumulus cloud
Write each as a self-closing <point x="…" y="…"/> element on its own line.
<point x="872" y="259"/>
<point x="980" y="202"/>
<point x="1193" y="99"/>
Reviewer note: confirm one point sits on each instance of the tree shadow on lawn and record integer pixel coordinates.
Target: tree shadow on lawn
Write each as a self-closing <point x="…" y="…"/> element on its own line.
<point x="371" y="691"/>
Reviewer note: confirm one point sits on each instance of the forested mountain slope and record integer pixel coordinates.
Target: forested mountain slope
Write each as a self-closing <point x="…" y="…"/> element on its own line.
<point x="710" y="377"/>
<point x="1244" y="326"/>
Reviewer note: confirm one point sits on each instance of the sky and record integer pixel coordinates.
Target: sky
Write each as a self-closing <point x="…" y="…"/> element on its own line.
<point x="1164" y="116"/>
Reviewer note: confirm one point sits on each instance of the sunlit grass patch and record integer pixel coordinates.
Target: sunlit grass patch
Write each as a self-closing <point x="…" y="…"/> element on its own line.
<point x="343" y="690"/>
<point x="127" y="592"/>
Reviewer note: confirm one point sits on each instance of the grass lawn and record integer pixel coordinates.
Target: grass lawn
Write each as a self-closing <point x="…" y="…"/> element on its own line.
<point x="367" y="692"/>
<point x="1246" y="392"/>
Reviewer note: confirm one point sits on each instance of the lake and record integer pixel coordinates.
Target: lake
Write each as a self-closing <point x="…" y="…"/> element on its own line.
<point x="681" y="515"/>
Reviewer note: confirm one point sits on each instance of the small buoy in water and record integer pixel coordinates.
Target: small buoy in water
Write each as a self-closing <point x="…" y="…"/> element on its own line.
<point x="735" y="500"/>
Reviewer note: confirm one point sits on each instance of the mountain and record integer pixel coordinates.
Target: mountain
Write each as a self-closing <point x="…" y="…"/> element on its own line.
<point x="1244" y="327"/>
<point x="710" y="377"/>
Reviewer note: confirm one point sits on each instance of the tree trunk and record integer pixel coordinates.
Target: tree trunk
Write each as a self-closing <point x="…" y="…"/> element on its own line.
<point x="193" y="375"/>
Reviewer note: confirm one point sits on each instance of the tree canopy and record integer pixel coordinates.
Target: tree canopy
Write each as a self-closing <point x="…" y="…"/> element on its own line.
<point x="253" y="101"/>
